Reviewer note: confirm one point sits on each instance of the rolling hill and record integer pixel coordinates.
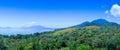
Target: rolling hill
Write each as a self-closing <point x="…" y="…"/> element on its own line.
<point x="96" y="35"/>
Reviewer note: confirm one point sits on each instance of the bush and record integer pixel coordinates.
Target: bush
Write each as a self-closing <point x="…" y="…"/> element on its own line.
<point x="83" y="47"/>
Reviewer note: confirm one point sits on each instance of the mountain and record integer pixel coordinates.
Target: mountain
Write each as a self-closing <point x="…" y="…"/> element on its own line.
<point x="37" y="28"/>
<point x="24" y="30"/>
<point x="98" y="22"/>
<point x="92" y="36"/>
<point x="89" y="37"/>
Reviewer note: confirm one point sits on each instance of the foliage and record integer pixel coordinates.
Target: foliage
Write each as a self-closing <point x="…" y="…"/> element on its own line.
<point x="86" y="38"/>
<point x="67" y="48"/>
<point x="61" y="32"/>
<point x="83" y="47"/>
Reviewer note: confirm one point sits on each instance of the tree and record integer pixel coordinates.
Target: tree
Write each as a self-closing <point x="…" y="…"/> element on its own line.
<point x="83" y="47"/>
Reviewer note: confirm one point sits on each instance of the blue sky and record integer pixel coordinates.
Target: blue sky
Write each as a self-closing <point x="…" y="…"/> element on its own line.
<point x="56" y="13"/>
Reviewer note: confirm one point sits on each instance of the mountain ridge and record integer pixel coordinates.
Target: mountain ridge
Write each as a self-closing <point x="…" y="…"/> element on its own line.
<point x="97" y="22"/>
<point x="38" y="28"/>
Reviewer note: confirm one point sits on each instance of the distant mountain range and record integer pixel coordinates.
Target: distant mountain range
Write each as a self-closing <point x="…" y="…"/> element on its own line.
<point x="24" y="30"/>
<point x="37" y="28"/>
<point x="98" y="22"/>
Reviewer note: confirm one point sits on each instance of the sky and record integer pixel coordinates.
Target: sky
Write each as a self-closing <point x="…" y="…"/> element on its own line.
<point x="56" y="13"/>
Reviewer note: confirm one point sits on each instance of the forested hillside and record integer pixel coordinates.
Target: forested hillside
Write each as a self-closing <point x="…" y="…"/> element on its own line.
<point x="106" y="37"/>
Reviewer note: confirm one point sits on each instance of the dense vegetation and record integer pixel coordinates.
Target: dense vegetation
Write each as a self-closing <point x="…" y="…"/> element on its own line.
<point x="97" y="35"/>
<point x="86" y="38"/>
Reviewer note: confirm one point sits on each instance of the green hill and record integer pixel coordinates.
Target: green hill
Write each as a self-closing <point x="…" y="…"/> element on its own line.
<point x="91" y="37"/>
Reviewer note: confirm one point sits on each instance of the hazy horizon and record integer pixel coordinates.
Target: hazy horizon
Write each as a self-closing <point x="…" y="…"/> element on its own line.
<point x="34" y="25"/>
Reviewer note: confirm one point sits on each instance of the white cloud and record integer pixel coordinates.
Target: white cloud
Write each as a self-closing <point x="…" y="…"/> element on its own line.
<point x="32" y="23"/>
<point x="115" y="10"/>
<point x="106" y="12"/>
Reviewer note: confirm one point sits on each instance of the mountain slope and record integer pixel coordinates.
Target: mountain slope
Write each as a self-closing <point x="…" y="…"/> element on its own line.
<point x="98" y="22"/>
